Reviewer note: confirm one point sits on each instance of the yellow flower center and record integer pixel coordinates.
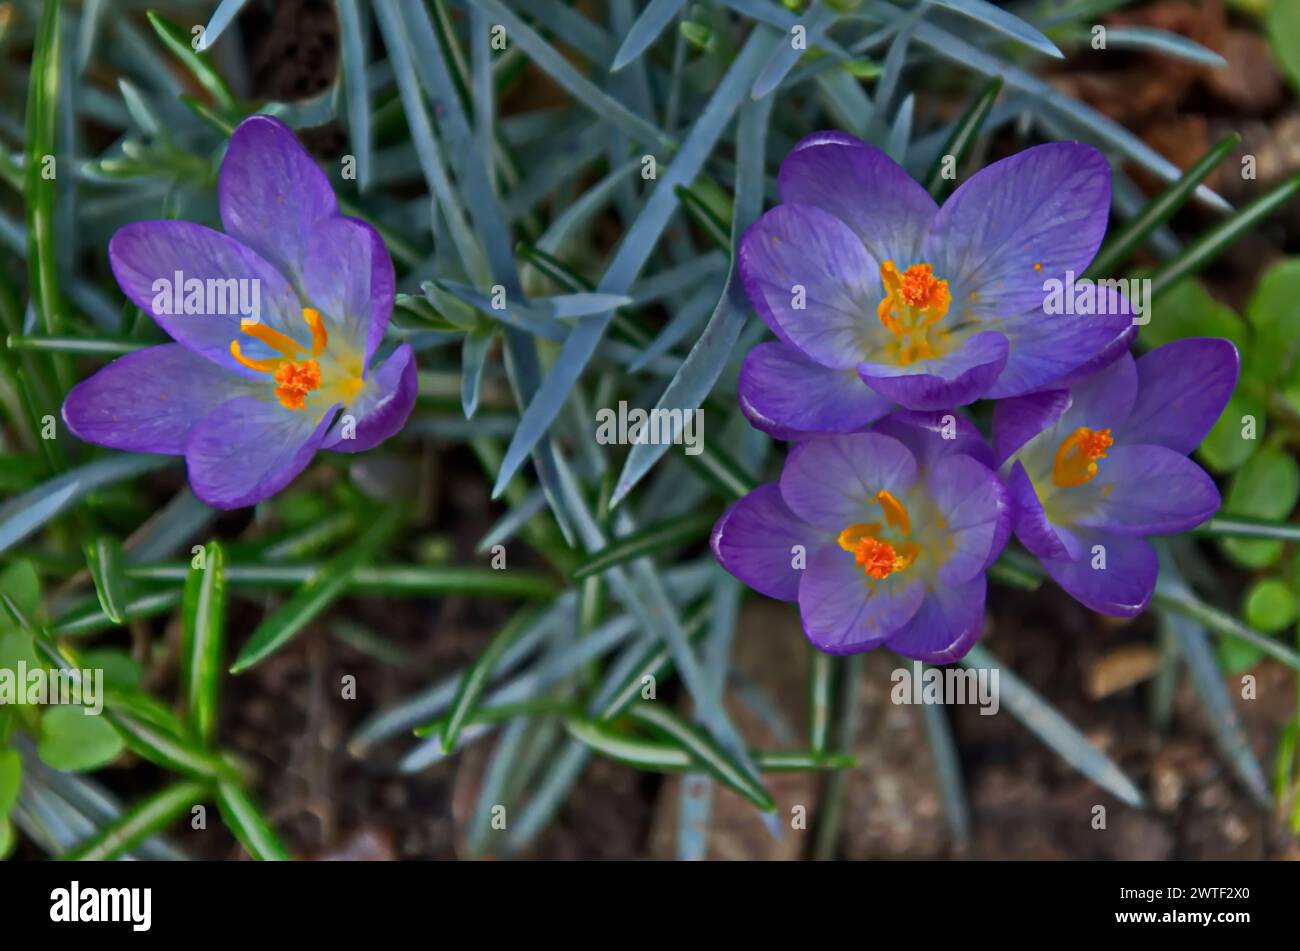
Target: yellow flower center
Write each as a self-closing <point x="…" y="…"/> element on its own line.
<point x="914" y="301"/>
<point x="880" y="558"/>
<point x="297" y="373"/>
<point x="1076" y="457"/>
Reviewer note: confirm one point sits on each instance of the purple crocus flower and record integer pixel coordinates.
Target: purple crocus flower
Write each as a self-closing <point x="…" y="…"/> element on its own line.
<point x="1094" y="469"/>
<point x="877" y="296"/>
<point x="276" y="323"/>
<point x="882" y="537"/>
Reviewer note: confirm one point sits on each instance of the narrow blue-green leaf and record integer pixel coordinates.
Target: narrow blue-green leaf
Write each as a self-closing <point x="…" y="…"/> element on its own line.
<point x="647" y="541"/>
<point x="314" y="596"/>
<point x="147" y="818"/>
<point x="357" y="85"/>
<point x="1207" y="677"/>
<point x="476" y="677"/>
<point x="1160" y="41"/>
<point x="25" y="514"/>
<point x="104" y="559"/>
<point x="555" y="65"/>
<point x="473" y="361"/>
<point x="1006" y="23"/>
<point x="1043" y="720"/>
<point x="821" y="667"/>
<point x="250" y="827"/>
<point x="633" y="252"/>
<point x="815" y="20"/>
<point x="203" y="616"/>
<point x="221" y="18"/>
<point x="708" y="358"/>
<point x="653" y="20"/>
<point x="947" y="768"/>
<point x="1104" y="129"/>
<point x="711" y="756"/>
<point x="1178" y="599"/>
<point x="91" y="19"/>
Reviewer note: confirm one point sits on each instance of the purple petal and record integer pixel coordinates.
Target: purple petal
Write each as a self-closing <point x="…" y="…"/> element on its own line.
<point x="947" y="624"/>
<point x="759" y="540"/>
<point x="785" y="394"/>
<point x="147" y="401"/>
<point x="798" y="255"/>
<point x="1104" y="400"/>
<point x="1123" y="588"/>
<point x="272" y="194"/>
<point x="382" y="407"/>
<point x="1021" y="418"/>
<point x="864" y="188"/>
<point x="976" y="514"/>
<point x="248" y="449"/>
<point x="1018" y="223"/>
<point x="1141" y="490"/>
<point x="146" y="252"/>
<point x="843" y="611"/>
<point x="1182" y="389"/>
<point x="1031" y="524"/>
<point x="934" y="435"/>
<point x="348" y="277"/>
<point x="832" y="481"/>
<point x="1052" y="350"/>
<point x="955" y="379"/>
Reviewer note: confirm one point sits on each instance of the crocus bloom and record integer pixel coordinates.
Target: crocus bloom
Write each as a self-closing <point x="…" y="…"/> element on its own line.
<point x="1093" y="469"/>
<point x="879" y="297"/>
<point x="882" y="537"/>
<point x="247" y="394"/>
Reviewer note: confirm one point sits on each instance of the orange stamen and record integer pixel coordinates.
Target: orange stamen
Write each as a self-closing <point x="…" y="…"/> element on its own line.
<point x="914" y="300"/>
<point x="319" y="336"/>
<point x="296" y="381"/>
<point x="895" y="512"/>
<point x="1076" y="457"/>
<point x="294" y="378"/>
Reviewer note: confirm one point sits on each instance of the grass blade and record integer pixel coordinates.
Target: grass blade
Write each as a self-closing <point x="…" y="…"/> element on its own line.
<point x="1159" y="210"/>
<point x="652" y="21"/>
<point x="1043" y="720"/>
<point x="475" y="679"/>
<point x="314" y="596"/>
<point x="104" y="559"/>
<point x="647" y="541"/>
<point x="145" y="819"/>
<point x="245" y="821"/>
<point x="202" y="641"/>
<point x="964" y="134"/>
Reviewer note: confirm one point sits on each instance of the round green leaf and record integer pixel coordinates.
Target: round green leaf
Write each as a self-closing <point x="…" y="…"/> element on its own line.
<point x="1283" y="25"/>
<point x="1270" y="605"/>
<point x="11" y="780"/>
<point x="73" y="741"/>
<point x="21" y="583"/>
<point x="1188" y="310"/>
<point x="1225" y="448"/>
<point x="1265" y="487"/>
<point x="1274" y="313"/>
<point x="120" y="669"/>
